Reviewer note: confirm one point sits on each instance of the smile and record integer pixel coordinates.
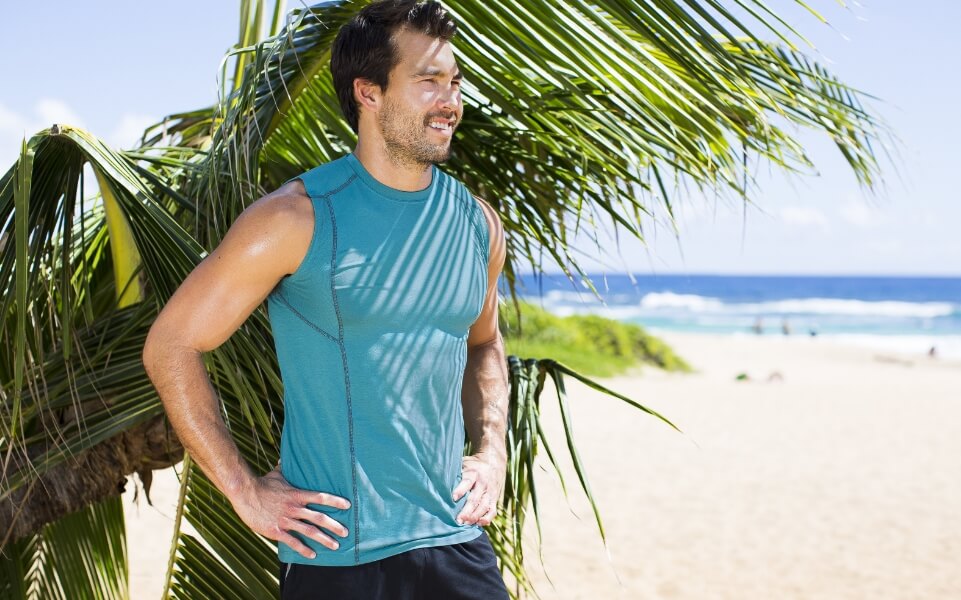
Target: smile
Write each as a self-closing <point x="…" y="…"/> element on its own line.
<point x="443" y="128"/>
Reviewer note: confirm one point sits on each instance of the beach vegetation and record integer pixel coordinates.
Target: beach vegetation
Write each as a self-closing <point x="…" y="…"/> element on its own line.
<point x="590" y="344"/>
<point x="573" y="111"/>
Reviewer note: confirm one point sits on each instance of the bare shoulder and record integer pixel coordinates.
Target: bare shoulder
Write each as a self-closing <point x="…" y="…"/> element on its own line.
<point x="495" y="227"/>
<point x="289" y="202"/>
<point x="267" y="240"/>
<point x="282" y="222"/>
<point x="290" y="196"/>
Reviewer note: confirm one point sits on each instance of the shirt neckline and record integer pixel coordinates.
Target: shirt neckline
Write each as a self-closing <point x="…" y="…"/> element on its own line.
<point x="391" y="192"/>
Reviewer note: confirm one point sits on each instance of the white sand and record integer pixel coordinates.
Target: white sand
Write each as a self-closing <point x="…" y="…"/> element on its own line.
<point x="843" y="480"/>
<point x="150" y="532"/>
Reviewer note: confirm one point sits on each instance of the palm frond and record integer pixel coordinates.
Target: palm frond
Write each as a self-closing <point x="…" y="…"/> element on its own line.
<point x="82" y="555"/>
<point x="568" y="106"/>
<point x="572" y="109"/>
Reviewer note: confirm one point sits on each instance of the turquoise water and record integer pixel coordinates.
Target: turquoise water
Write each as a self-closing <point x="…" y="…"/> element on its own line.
<point x="909" y="314"/>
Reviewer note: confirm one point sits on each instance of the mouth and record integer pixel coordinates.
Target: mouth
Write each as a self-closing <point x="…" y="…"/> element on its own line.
<point x="442" y="126"/>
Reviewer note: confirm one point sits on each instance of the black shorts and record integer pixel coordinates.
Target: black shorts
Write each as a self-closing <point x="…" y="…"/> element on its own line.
<point x="466" y="571"/>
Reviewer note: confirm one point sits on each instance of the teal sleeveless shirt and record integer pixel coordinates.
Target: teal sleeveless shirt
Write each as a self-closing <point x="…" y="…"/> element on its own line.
<point x="371" y="337"/>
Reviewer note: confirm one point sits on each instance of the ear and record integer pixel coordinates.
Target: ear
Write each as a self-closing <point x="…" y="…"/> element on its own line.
<point x="367" y="94"/>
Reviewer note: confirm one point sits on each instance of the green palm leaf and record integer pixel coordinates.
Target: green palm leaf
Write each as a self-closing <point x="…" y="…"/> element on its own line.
<point x="572" y="110"/>
<point x="80" y="556"/>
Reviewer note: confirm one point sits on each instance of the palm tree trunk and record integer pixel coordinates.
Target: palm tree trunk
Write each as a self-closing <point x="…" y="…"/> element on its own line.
<point x="92" y="476"/>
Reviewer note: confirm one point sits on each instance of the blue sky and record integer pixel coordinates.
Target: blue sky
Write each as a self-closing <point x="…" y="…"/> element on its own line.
<point x="160" y="58"/>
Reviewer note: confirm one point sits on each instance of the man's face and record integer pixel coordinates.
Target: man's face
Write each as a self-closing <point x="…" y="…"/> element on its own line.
<point x="424" y="89"/>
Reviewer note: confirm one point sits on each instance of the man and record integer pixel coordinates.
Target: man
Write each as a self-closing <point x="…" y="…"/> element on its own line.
<point x="380" y="274"/>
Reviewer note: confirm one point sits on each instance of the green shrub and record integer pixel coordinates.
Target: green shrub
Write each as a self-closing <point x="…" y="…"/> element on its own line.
<point x="591" y="344"/>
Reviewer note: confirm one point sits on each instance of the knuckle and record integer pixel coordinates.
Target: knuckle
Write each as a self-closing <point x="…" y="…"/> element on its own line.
<point x="335" y="526"/>
<point x="306" y="528"/>
<point x="316" y="534"/>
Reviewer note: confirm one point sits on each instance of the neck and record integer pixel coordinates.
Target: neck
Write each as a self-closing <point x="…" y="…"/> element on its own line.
<point x="404" y="176"/>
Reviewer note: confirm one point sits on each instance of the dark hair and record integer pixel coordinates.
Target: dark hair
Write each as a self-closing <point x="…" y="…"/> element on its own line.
<point x="364" y="46"/>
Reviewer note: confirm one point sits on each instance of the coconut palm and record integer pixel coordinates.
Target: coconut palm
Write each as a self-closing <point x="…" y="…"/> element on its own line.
<point x="572" y="109"/>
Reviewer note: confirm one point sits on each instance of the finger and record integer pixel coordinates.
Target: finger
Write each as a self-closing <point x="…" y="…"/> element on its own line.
<point x="487" y="504"/>
<point x="311" y="532"/>
<point x="321" y="519"/>
<point x="471" y="511"/>
<point x="488" y="517"/>
<point x="295" y="544"/>
<point x="464" y="486"/>
<point x="306" y="497"/>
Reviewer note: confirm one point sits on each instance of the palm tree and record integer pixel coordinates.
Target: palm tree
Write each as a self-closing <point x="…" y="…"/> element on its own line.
<point x="593" y="105"/>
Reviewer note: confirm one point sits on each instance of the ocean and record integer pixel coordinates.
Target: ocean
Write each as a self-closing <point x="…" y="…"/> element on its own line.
<point x="898" y="314"/>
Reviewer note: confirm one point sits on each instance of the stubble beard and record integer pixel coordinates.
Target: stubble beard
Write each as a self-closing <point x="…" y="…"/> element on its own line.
<point x="405" y="139"/>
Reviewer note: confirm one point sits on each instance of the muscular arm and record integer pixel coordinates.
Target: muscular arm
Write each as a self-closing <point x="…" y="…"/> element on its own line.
<point x="485" y="394"/>
<point x="267" y="241"/>
<point x="211" y="303"/>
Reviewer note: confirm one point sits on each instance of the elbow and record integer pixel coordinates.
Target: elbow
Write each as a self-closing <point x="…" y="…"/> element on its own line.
<point x="164" y="347"/>
<point x="150" y="351"/>
<point x="494" y="344"/>
<point x="156" y="345"/>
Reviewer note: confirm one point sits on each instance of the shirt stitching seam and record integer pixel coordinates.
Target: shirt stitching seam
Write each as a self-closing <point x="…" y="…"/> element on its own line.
<point x="426" y="191"/>
<point x="284" y="301"/>
<point x="343" y="354"/>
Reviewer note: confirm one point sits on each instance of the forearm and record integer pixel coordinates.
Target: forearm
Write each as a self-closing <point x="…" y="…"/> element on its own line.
<point x="485" y="398"/>
<point x="192" y="408"/>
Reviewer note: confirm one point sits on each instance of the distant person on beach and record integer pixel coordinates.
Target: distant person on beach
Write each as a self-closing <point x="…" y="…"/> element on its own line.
<point x="758" y="327"/>
<point x="785" y="327"/>
<point x="380" y="275"/>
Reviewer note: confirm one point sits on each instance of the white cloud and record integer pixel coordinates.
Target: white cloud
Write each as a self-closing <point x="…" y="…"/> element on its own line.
<point x="885" y="247"/>
<point x="804" y="216"/>
<point x="693" y="210"/>
<point x="50" y="111"/>
<point x="10" y="121"/>
<point x="859" y="214"/>
<point x="128" y="131"/>
<point x="14" y="127"/>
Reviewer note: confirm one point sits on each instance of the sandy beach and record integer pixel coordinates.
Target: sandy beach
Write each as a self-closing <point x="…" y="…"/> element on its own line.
<point x="839" y="479"/>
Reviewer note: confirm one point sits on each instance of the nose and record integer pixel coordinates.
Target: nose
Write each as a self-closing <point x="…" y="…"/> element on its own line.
<point x="449" y="98"/>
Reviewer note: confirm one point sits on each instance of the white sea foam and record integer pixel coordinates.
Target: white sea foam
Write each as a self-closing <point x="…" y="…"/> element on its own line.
<point x="691" y="302"/>
<point x="669" y="302"/>
<point x="836" y="306"/>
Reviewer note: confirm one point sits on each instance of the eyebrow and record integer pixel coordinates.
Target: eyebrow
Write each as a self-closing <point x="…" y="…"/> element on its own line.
<point x="435" y="71"/>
